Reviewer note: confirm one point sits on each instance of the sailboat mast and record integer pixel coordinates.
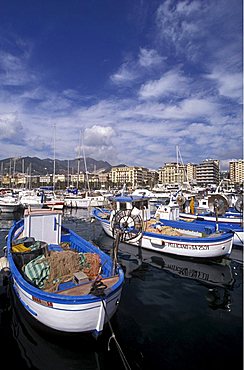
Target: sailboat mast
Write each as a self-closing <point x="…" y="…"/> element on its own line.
<point x="87" y="178"/>
<point x="54" y="156"/>
<point x="68" y="175"/>
<point x="177" y="163"/>
<point x="78" y="166"/>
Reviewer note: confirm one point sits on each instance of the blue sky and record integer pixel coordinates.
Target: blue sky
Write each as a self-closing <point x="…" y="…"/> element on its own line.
<point x="128" y="80"/>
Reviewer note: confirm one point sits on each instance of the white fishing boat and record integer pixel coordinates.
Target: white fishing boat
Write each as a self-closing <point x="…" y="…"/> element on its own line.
<point x="221" y="216"/>
<point x="9" y="204"/>
<point x="84" y="202"/>
<point x="130" y="216"/>
<point x="31" y="198"/>
<point x="62" y="296"/>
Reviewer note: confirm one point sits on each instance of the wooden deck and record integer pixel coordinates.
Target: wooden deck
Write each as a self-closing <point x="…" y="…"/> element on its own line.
<point x="84" y="288"/>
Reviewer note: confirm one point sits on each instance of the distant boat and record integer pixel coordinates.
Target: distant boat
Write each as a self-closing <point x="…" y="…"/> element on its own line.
<point x="130" y="217"/>
<point x="88" y="201"/>
<point x="31" y="198"/>
<point x="54" y="203"/>
<point x="226" y="218"/>
<point x="62" y="280"/>
<point x="9" y="204"/>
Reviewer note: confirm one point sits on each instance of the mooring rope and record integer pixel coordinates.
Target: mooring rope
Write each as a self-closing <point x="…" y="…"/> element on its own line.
<point x="98" y="290"/>
<point x="122" y="356"/>
<point x="238" y="237"/>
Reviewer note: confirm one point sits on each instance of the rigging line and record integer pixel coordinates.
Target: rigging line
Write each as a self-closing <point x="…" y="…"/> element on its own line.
<point x="122" y="356"/>
<point x="239" y="238"/>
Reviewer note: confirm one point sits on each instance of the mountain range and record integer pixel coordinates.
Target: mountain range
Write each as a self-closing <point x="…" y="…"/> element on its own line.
<point x="39" y="166"/>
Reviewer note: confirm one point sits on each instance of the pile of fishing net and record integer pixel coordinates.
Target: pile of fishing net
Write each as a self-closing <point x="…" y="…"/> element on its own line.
<point x="57" y="267"/>
<point x="161" y="229"/>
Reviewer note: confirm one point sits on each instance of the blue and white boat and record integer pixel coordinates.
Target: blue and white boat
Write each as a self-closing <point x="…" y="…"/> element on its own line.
<point x="79" y="302"/>
<point x="228" y="218"/>
<point x="130" y="216"/>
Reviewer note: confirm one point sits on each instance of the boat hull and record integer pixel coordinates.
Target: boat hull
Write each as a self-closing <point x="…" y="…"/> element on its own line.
<point x="84" y="203"/>
<point x="84" y="316"/>
<point x="11" y="208"/>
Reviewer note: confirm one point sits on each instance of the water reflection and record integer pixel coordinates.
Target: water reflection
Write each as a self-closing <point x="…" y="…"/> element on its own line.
<point x="219" y="299"/>
<point x="6" y="219"/>
<point x="42" y="348"/>
<point x="217" y="273"/>
<point x="217" y="276"/>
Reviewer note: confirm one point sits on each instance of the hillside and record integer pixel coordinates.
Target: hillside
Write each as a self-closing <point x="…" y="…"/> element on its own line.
<point x="45" y="166"/>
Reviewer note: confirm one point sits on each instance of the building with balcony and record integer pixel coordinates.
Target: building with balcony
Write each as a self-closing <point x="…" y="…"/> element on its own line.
<point x="132" y="176"/>
<point x="236" y="170"/>
<point x="172" y="173"/>
<point x="208" y="172"/>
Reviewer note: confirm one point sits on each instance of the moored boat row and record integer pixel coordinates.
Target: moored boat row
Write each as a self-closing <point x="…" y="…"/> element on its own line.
<point x="130" y="215"/>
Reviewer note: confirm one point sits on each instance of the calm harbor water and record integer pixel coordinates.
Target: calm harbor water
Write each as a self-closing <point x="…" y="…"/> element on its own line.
<point x="173" y="314"/>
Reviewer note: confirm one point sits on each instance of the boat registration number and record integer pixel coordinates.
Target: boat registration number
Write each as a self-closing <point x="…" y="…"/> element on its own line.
<point x="41" y="301"/>
<point x="188" y="246"/>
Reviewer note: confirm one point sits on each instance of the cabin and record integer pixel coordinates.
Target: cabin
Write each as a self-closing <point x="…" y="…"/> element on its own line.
<point x="136" y="204"/>
<point x="43" y="224"/>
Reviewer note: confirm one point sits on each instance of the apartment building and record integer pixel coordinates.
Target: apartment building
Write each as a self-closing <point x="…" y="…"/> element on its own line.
<point x="191" y="170"/>
<point x="236" y="170"/>
<point x="172" y="173"/>
<point x="133" y="176"/>
<point x="208" y="172"/>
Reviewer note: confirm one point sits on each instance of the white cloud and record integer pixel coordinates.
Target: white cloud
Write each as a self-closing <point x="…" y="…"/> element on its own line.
<point x="229" y="84"/>
<point x="171" y="83"/>
<point x="125" y="74"/>
<point x="176" y="23"/>
<point x="10" y="127"/>
<point x="98" y="135"/>
<point x="136" y="68"/>
<point x="148" y="58"/>
<point x="191" y="109"/>
<point x="14" y="70"/>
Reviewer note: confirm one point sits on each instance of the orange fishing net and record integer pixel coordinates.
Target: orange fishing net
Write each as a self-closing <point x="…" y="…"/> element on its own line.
<point x="64" y="264"/>
<point x="161" y="229"/>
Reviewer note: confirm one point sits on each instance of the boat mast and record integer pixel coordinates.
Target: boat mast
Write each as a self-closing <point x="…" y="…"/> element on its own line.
<point x="177" y="164"/>
<point x="54" y="156"/>
<point x="10" y="170"/>
<point x="185" y="176"/>
<point x="78" y="166"/>
<point x="23" y="172"/>
<point x="87" y="178"/>
<point x="68" y="175"/>
<point x="2" y="174"/>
